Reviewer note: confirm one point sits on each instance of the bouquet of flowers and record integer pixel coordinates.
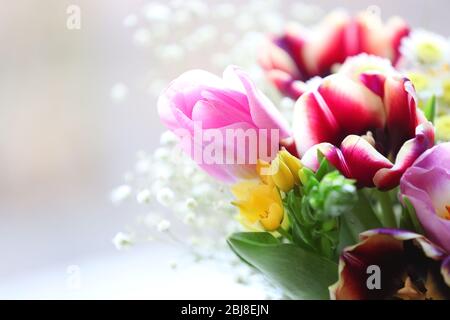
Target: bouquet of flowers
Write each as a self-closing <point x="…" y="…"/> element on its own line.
<point x="348" y="196"/>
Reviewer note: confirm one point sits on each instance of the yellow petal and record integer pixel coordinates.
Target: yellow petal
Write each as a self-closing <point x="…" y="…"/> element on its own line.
<point x="274" y="217"/>
<point x="294" y="164"/>
<point x="282" y="176"/>
<point x="263" y="170"/>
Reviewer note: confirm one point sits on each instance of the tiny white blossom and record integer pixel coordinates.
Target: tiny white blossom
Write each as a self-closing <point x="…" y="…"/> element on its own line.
<point x="120" y="194"/>
<point x="189" y="218"/>
<point x="157" y="12"/>
<point x="168" y="138"/>
<point x="163" y="225"/>
<point x="165" y="196"/>
<point x="191" y="203"/>
<point x="122" y="241"/>
<point x="144" y="196"/>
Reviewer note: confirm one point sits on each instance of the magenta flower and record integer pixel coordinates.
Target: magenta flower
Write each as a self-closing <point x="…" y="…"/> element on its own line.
<point x="199" y="104"/>
<point x="426" y="184"/>
<point x="368" y="127"/>
<point x="410" y="267"/>
<point x="300" y="54"/>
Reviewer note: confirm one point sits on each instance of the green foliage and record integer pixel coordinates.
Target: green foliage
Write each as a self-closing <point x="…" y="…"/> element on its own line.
<point x="430" y="109"/>
<point x="300" y="273"/>
<point x="315" y="207"/>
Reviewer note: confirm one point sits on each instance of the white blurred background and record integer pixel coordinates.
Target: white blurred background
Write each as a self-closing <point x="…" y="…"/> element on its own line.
<point x="64" y="144"/>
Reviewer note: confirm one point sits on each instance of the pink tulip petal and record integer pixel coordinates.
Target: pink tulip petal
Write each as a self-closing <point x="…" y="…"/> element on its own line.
<point x="313" y="122"/>
<point x="426" y="184"/>
<point x="333" y="155"/>
<point x="285" y="83"/>
<point x="184" y="92"/>
<point x="400" y="107"/>
<point x="347" y="98"/>
<point x="389" y="177"/>
<point x="325" y="45"/>
<point x="362" y="159"/>
<point x="397" y="29"/>
<point x="375" y="82"/>
<point x="274" y="55"/>
<point x="262" y="110"/>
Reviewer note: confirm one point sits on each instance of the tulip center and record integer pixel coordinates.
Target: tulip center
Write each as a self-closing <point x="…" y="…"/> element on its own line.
<point x="446" y="213"/>
<point x="369" y="138"/>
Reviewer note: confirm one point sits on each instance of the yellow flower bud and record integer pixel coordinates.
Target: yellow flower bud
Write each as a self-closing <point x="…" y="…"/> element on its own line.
<point x="284" y="170"/>
<point x="281" y="175"/>
<point x="294" y="164"/>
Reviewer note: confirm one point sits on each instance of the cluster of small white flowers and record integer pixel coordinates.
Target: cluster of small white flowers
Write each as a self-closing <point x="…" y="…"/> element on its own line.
<point x="176" y="32"/>
<point x="196" y="206"/>
<point x="426" y="61"/>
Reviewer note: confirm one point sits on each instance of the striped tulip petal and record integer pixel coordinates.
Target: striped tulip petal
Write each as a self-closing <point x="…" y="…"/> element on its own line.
<point x="363" y="160"/>
<point x="304" y="53"/>
<point x="313" y="122"/>
<point x="346" y="98"/>
<point x="390" y="177"/>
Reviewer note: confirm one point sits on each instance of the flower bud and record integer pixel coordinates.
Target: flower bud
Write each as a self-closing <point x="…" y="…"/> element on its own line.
<point x="284" y="170"/>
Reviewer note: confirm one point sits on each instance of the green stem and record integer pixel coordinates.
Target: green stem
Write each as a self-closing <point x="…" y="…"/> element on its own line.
<point x="387" y="211"/>
<point x="285" y="234"/>
<point x="367" y="214"/>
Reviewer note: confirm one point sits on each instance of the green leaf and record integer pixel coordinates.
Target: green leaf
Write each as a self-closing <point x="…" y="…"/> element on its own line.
<point x="412" y="215"/>
<point x="430" y="109"/>
<point x="300" y="273"/>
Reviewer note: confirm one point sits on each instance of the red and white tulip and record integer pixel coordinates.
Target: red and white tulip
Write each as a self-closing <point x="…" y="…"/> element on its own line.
<point x="300" y="54"/>
<point x="368" y="126"/>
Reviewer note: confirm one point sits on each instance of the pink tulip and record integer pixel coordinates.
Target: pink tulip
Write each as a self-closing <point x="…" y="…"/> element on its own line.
<point x="220" y="106"/>
<point x="368" y="127"/>
<point x="300" y="54"/>
<point x="426" y="184"/>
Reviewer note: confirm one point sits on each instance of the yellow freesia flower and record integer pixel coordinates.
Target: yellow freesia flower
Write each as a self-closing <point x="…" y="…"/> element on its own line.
<point x="259" y="202"/>
<point x="284" y="170"/>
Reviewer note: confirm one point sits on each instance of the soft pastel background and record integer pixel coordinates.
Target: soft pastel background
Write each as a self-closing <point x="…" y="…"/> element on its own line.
<point x="64" y="144"/>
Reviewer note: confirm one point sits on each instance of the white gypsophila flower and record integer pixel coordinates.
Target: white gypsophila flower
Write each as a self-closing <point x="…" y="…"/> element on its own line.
<point x="143" y="196"/>
<point x="122" y="240"/>
<point x="168" y="138"/>
<point x="163" y="225"/>
<point x="165" y="196"/>
<point x="156" y="11"/>
<point x="120" y="194"/>
<point x="425" y="48"/>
